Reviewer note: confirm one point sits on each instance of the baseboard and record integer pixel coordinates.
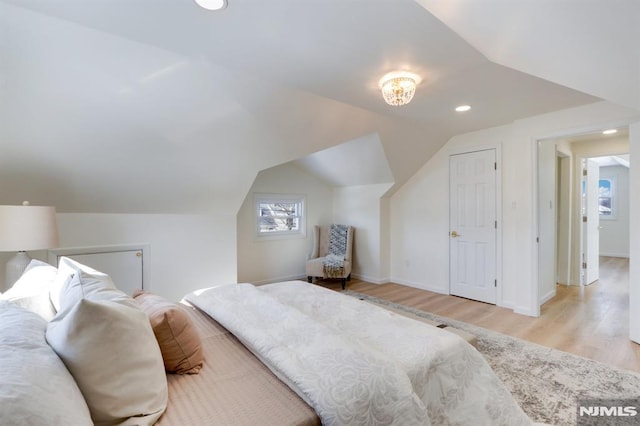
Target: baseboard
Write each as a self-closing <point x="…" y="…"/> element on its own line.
<point x="281" y="279"/>
<point x="623" y="255"/>
<point x="421" y="286"/>
<point x="508" y="304"/>
<point x="525" y="311"/>
<point x="368" y="279"/>
<point x="548" y="296"/>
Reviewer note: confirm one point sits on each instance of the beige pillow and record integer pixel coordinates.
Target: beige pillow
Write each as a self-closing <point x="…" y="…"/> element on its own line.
<point x="110" y="349"/>
<point x="178" y="338"/>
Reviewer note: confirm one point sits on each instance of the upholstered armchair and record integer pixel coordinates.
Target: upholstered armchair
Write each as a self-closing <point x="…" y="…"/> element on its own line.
<point x="331" y="255"/>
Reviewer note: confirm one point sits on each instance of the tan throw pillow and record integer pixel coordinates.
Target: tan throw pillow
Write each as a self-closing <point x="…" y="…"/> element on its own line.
<point x="178" y="339"/>
<point x="109" y="348"/>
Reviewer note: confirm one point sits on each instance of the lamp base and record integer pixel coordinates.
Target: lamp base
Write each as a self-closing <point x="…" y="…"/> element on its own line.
<point x="15" y="267"/>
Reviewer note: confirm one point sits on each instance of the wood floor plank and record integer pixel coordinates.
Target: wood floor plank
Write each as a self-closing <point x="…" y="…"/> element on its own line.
<point x="591" y="321"/>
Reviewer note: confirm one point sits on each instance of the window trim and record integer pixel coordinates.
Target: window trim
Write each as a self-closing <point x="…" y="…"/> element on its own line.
<point x="614" y="188"/>
<point x="261" y="198"/>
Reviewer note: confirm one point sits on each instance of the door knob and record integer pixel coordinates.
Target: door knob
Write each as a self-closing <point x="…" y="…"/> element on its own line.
<point x="454" y="234"/>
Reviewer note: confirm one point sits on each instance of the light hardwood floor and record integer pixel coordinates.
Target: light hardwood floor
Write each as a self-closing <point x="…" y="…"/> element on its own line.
<point x="591" y="321"/>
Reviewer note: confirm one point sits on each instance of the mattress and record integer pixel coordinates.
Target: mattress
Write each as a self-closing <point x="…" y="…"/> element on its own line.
<point x="233" y="387"/>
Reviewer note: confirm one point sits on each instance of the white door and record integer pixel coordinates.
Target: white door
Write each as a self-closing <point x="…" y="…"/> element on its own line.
<point x="473" y="227"/>
<point x="590" y="222"/>
<point x="124" y="267"/>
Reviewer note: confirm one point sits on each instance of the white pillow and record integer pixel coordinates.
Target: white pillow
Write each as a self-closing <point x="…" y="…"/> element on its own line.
<point x="98" y="287"/>
<point x="35" y="387"/>
<point x="67" y="269"/>
<point x="108" y="345"/>
<point x="31" y="291"/>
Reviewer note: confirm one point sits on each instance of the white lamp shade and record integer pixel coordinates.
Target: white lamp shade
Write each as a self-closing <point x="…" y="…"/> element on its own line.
<point x="24" y="228"/>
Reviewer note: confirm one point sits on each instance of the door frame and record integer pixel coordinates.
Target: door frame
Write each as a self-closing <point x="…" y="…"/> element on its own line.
<point x="593" y="127"/>
<point x="546" y="233"/>
<point x="498" y="150"/>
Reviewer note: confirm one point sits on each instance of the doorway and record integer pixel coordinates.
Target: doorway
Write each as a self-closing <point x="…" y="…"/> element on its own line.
<point x="573" y="238"/>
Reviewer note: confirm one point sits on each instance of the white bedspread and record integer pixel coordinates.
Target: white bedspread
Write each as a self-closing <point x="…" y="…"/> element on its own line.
<point x="358" y="364"/>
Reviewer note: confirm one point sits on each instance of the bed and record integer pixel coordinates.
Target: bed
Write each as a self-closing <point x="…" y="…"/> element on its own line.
<point x="288" y="353"/>
<point x="233" y="387"/>
<point x="356" y="363"/>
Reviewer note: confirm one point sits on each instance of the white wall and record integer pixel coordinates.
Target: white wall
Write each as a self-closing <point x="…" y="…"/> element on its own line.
<point x="614" y="232"/>
<point x="419" y="222"/>
<point x="270" y="260"/>
<point x="187" y="252"/>
<point x="634" y="235"/>
<point x="363" y="207"/>
<point x="420" y="217"/>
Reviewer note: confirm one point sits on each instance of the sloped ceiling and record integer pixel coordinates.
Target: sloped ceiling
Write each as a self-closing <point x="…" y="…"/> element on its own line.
<point x="359" y="162"/>
<point x="588" y="45"/>
<point x="143" y="106"/>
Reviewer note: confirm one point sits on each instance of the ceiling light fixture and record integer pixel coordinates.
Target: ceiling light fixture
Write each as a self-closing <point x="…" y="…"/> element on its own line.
<point x="463" y="108"/>
<point x="212" y="4"/>
<point x="398" y="87"/>
<point x="610" y="132"/>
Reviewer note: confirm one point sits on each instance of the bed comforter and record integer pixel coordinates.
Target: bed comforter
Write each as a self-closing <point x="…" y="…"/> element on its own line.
<point x="359" y="364"/>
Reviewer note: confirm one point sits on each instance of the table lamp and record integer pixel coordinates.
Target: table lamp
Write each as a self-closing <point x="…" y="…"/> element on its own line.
<point x="24" y="228"/>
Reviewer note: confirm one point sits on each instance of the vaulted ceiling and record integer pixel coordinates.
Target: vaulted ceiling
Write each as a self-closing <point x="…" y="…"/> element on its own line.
<point x="141" y="106"/>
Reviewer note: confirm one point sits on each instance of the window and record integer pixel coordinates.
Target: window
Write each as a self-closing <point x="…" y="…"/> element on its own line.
<point x="279" y="215"/>
<point x="606" y="198"/>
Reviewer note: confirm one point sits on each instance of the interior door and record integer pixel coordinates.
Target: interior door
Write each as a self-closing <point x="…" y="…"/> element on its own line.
<point x="473" y="226"/>
<point x="590" y="222"/>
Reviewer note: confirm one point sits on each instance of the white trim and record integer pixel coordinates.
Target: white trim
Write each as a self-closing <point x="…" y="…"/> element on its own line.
<point x="55" y="254"/>
<point x="550" y="295"/>
<point x="281" y="279"/>
<point x="613" y="180"/>
<point x="499" y="298"/>
<point x="576" y="131"/>
<point x="534" y="296"/>
<point x="369" y="279"/>
<point x="421" y="286"/>
<point x="259" y="197"/>
<point x="622" y="255"/>
<point x="525" y="310"/>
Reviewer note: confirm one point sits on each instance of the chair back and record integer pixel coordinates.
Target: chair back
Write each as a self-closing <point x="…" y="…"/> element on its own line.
<point x="322" y="236"/>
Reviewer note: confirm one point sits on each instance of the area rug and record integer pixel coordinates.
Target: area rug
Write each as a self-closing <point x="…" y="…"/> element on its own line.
<point x="547" y="383"/>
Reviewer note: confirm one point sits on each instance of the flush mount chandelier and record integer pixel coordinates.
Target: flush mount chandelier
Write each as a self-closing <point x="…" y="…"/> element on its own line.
<point x="398" y="87"/>
<point x="212" y="4"/>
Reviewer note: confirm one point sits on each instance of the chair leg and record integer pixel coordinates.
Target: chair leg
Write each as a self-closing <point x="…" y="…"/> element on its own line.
<point x="309" y="279"/>
<point x="344" y="283"/>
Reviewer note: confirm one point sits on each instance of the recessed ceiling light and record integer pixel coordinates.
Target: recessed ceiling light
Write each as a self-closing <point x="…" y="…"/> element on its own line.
<point x="609" y="132"/>
<point x="463" y="108"/>
<point x="212" y="4"/>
